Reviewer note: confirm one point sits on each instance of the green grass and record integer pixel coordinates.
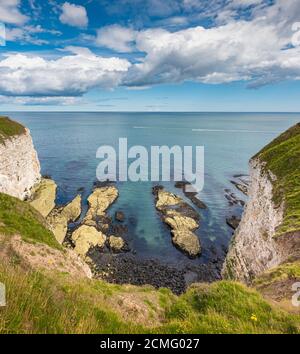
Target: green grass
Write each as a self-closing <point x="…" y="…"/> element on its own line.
<point x="19" y="218"/>
<point x="281" y="273"/>
<point x="9" y="128"/>
<point x="282" y="158"/>
<point x="39" y="303"/>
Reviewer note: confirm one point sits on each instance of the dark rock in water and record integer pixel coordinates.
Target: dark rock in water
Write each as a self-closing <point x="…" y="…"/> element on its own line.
<point x="191" y="195"/>
<point x="241" y="187"/>
<point x="155" y="189"/>
<point x="233" y="199"/>
<point x="46" y="177"/>
<point x="132" y="221"/>
<point x="181" y="184"/>
<point x="119" y="229"/>
<point x="195" y="200"/>
<point x="233" y="221"/>
<point x="103" y="223"/>
<point x="81" y="189"/>
<point x="99" y="184"/>
<point x="119" y="216"/>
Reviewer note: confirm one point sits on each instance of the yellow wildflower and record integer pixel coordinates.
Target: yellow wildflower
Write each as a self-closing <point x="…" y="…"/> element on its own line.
<point x="253" y="318"/>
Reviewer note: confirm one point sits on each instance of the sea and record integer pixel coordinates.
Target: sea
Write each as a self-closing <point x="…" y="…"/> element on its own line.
<point x="67" y="143"/>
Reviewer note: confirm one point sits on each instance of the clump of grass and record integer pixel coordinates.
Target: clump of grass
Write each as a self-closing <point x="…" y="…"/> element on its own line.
<point x="282" y="158"/>
<point x="281" y="273"/>
<point x="37" y="304"/>
<point x="56" y="303"/>
<point x="227" y="307"/>
<point x="9" y="128"/>
<point x="19" y="218"/>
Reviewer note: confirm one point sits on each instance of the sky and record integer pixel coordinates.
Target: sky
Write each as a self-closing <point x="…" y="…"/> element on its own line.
<point x="150" y="55"/>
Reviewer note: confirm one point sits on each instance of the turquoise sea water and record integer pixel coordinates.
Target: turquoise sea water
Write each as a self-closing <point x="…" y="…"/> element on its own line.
<point x="67" y="145"/>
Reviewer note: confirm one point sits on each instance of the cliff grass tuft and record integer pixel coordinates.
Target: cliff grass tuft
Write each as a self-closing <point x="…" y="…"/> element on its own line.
<point x="9" y="128"/>
<point x="282" y="158"/>
<point x="19" y="218"/>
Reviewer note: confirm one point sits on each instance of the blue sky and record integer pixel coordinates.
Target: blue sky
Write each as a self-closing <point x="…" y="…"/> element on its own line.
<point x="150" y="55"/>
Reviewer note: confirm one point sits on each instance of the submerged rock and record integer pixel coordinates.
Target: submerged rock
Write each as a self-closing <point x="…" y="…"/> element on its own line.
<point x="60" y="217"/>
<point x="119" y="216"/>
<point x="86" y="237"/>
<point x="115" y="243"/>
<point x="241" y="187"/>
<point x="43" y="196"/>
<point x="192" y="195"/>
<point x="233" y="221"/>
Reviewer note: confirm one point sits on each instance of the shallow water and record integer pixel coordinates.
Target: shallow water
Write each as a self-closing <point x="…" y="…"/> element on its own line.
<point x="67" y="145"/>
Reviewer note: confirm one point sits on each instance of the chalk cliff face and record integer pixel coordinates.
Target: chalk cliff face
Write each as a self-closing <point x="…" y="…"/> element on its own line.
<point x="19" y="165"/>
<point x="257" y="244"/>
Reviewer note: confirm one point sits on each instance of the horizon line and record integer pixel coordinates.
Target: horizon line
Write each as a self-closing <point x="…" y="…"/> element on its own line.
<point x="78" y="111"/>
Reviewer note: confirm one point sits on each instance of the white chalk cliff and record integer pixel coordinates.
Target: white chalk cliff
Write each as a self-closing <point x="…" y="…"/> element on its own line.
<point x="19" y="165"/>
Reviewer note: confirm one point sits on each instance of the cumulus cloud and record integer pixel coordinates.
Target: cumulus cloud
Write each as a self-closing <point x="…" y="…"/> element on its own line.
<point x="10" y="12"/>
<point x="69" y="75"/>
<point x="258" y="51"/>
<point x="73" y="15"/>
<point x="116" y="37"/>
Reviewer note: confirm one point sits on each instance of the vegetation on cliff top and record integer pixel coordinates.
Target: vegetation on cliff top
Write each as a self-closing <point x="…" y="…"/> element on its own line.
<point x="19" y="218"/>
<point x="44" y="302"/>
<point x="9" y="128"/>
<point x="282" y="158"/>
<point x="56" y="303"/>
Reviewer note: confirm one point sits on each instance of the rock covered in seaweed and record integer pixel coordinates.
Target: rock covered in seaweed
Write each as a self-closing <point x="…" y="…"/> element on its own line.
<point x="87" y="237"/>
<point x="181" y="218"/>
<point x="60" y="217"/>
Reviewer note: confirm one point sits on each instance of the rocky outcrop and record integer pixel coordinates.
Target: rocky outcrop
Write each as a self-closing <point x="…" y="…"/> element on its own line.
<point x="99" y="201"/>
<point x="59" y="218"/>
<point x="182" y="219"/>
<point x="116" y="243"/>
<point x="43" y="196"/>
<point x="86" y="237"/>
<point x="19" y="165"/>
<point x="94" y="227"/>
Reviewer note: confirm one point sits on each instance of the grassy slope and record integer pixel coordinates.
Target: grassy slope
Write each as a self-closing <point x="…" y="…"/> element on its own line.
<point x="37" y="303"/>
<point x="19" y="218"/>
<point x="56" y="303"/>
<point x="282" y="158"/>
<point x="9" y="128"/>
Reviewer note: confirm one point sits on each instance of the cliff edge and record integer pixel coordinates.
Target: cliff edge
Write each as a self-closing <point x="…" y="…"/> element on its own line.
<point x="19" y="164"/>
<point x="269" y="232"/>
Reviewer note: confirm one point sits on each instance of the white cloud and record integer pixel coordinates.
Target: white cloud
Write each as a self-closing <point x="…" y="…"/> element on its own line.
<point x="70" y="75"/>
<point x="239" y="50"/>
<point x="26" y="34"/>
<point x="116" y="37"/>
<point x="10" y="13"/>
<point x="74" y="15"/>
<point x="41" y="101"/>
